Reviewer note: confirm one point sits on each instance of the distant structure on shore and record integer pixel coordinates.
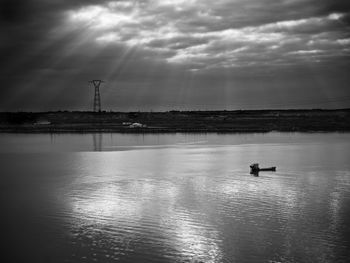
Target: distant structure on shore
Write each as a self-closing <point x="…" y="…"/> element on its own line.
<point x="97" y="97"/>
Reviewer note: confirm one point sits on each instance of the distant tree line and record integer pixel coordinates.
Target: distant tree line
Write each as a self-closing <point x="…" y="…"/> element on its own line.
<point x="19" y="117"/>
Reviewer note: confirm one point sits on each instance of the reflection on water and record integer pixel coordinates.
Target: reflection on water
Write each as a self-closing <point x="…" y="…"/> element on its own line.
<point x="254" y="173"/>
<point x="97" y="139"/>
<point x="178" y="198"/>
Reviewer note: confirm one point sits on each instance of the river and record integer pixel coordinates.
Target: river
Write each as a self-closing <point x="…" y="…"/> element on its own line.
<point x="175" y="197"/>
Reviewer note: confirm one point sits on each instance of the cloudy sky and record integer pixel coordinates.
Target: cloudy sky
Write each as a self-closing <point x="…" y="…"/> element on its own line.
<point x="175" y="54"/>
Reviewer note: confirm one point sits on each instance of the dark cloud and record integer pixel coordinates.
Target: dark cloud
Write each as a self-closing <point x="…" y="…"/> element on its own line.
<point x="14" y="10"/>
<point x="158" y="51"/>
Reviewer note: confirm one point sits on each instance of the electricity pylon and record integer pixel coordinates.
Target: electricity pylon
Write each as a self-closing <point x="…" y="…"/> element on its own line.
<point x="97" y="97"/>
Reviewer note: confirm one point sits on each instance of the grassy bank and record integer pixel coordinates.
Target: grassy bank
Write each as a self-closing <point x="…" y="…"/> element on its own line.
<point x="177" y="121"/>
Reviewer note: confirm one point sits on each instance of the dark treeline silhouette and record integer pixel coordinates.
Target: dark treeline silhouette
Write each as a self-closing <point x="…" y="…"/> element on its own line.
<point x="177" y="121"/>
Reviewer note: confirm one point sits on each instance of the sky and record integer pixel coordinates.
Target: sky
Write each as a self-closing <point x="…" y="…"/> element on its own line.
<point x="158" y="55"/>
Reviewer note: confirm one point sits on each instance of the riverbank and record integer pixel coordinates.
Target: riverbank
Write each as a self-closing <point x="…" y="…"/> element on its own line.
<point x="177" y="121"/>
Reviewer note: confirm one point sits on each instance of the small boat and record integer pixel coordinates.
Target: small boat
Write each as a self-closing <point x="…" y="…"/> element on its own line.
<point x="255" y="168"/>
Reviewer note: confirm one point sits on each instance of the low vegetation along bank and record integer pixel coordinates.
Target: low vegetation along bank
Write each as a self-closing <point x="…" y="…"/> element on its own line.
<point x="177" y="121"/>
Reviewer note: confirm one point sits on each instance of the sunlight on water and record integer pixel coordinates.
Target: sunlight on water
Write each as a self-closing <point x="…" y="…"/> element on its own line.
<point x="180" y="198"/>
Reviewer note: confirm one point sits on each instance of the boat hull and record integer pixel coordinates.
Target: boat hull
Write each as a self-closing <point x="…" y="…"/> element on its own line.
<point x="268" y="169"/>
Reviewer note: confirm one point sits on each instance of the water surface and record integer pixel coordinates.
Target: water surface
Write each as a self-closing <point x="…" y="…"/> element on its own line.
<point x="176" y="197"/>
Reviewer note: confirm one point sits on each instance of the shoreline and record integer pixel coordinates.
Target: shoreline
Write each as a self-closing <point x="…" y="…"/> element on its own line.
<point x="160" y="131"/>
<point x="259" y="121"/>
